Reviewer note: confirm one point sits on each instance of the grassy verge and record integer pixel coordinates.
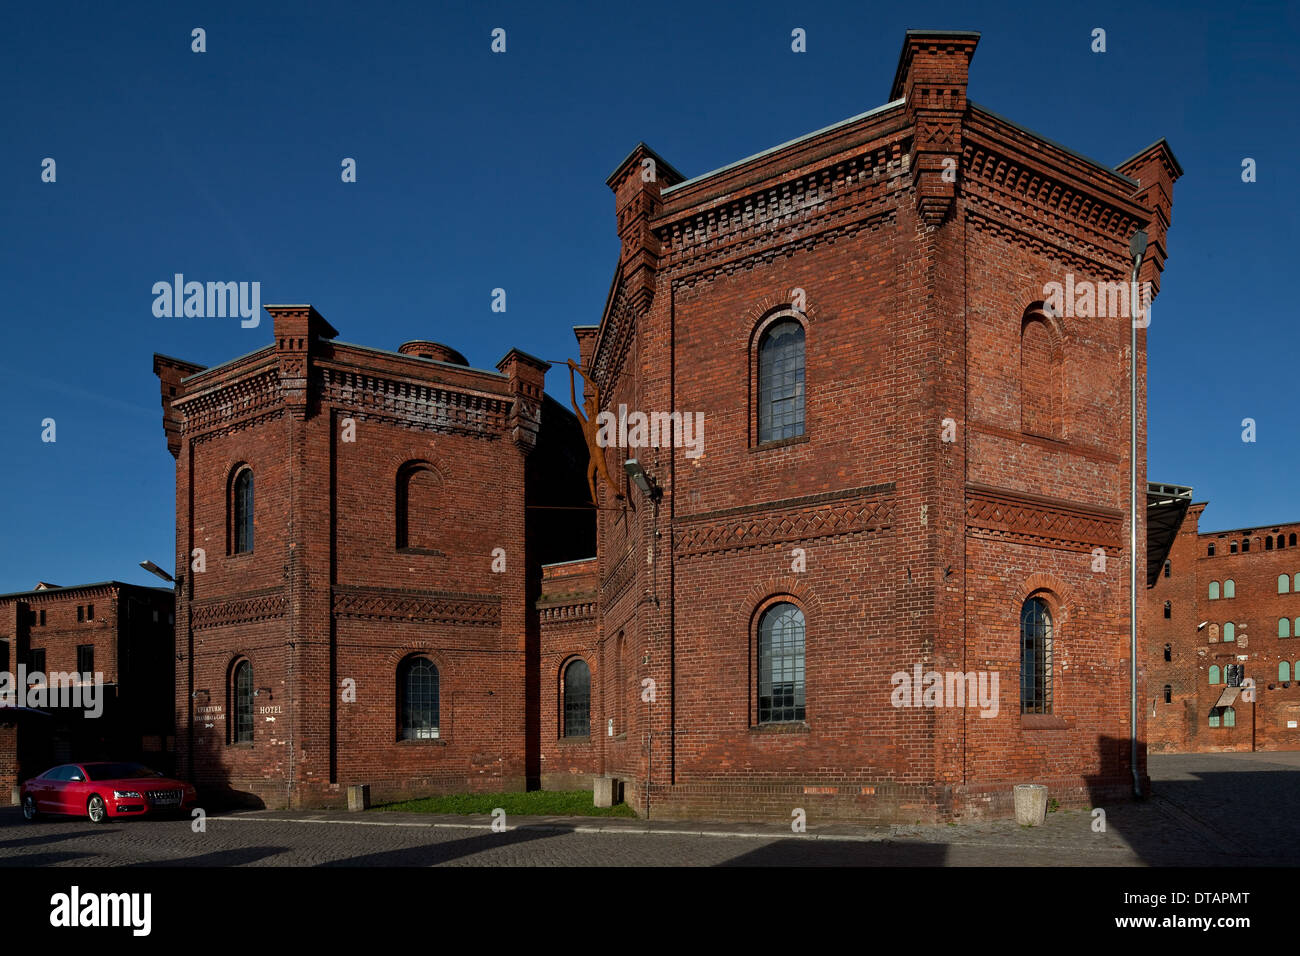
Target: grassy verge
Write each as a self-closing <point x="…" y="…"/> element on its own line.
<point x="539" y="803"/>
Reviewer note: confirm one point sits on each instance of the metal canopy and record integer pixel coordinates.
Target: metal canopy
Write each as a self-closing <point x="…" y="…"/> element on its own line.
<point x="1166" y="507"/>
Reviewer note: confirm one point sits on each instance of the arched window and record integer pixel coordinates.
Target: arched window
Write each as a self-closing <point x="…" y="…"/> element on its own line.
<point x="1283" y="627"/>
<point x="1169" y="607"/>
<point x="418" y="702"/>
<point x="1295" y="631"/>
<point x="1245" y="545"/>
<point x="1295" y="586"/>
<point x="620" y="682"/>
<point x="1214" y="633"/>
<point x="241" y="511"/>
<point x="1284" y="670"/>
<point x="1268" y="542"/>
<point x="1214" y="590"/>
<point x="1035" y="657"/>
<point x="1291" y="540"/>
<point x="417" y="500"/>
<point x="241" y="702"/>
<point x="781" y="381"/>
<point x="1214" y="718"/>
<point x="1168" y="567"/>
<point x="1229" y="717"/>
<point x="1229" y="589"/>
<point x="1040" y="378"/>
<point x="1283" y="583"/>
<point x="1169" y="652"/>
<point x="781" y="689"/>
<point x="1214" y="675"/>
<point x="1281" y="541"/>
<point x="1232" y="547"/>
<point x="1169" y="694"/>
<point x="575" y="694"/>
<point x="1210" y="550"/>
<point x="1229" y="632"/>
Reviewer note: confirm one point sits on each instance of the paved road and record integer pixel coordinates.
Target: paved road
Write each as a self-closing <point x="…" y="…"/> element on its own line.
<point x="1220" y="810"/>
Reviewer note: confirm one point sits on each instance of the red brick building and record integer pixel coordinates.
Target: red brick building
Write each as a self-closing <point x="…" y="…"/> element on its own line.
<point x="360" y="534"/>
<point x="1225" y="599"/>
<point x="121" y="632"/>
<point x="912" y="460"/>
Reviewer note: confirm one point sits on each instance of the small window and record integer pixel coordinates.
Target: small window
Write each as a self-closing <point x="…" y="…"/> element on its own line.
<point x="575" y="690"/>
<point x="86" y="659"/>
<point x="1229" y="632"/>
<point x="1214" y="718"/>
<point x="1284" y="671"/>
<point x="81" y="613"/>
<point x="417" y="692"/>
<point x="36" y="660"/>
<point x="781" y="382"/>
<point x="1214" y="675"/>
<point x="1214" y="633"/>
<point x="1169" y="653"/>
<point x="1229" y="589"/>
<point x="1232" y="547"/>
<point x="1283" y="627"/>
<point x="1229" y="717"/>
<point x="42" y="618"/>
<point x="4" y="655"/>
<point x="90" y="612"/>
<point x="1295" y="586"/>
<point x="1214" y="590"/>
<point x="1291" y="540"/>
<point x="241" y="511"/>
<point x="1210" y="550"/>
<point x="1168" y="610"/>
<point x="1281" y="541"/>
<point x="1169" y="694"/>
<point x="1283" y="583"/>
<point x="1168" y="566"/>
<point x="1268" y="542"/>
<point x="241" y="709"/>
<point x="1245" y="545"/>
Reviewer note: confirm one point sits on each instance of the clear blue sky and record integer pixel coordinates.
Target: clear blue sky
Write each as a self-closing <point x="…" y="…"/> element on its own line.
<point x="478" y="171"/>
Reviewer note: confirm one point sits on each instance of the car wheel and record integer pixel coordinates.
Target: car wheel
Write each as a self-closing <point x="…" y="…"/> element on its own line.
<point x="96" y="810"/>
<point x="29" y="808"/>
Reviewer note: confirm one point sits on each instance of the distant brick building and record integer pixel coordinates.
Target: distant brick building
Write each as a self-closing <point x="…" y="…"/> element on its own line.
<point x="122" y="632"/>
<point x="912" y="459"/>
<point x="1225" y="599"/>
<point x="360" y="534"/>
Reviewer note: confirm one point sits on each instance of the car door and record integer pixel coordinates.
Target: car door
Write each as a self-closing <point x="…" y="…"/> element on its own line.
<point x="49" y="792"/>
<point x="74" y="789"/>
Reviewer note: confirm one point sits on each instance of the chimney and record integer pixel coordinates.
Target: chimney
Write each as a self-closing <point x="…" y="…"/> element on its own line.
<point x="637" y="184"/>
<point x="299" y="330"/>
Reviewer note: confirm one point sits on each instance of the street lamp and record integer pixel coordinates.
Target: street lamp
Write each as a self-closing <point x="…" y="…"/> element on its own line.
<point x="157" y="571"/>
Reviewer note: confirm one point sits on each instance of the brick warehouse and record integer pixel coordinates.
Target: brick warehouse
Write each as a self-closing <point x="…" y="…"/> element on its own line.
<point x="1225" y="599"/>
<point x="912" y="459"/>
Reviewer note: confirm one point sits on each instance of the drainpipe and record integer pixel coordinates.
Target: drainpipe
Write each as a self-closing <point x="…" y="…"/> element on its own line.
<point x="1138" y="247"/>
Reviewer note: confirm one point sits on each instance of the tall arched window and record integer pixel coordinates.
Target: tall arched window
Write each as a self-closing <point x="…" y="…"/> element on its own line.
<point x="418" y="699"/>
<point x="1214" y="675"/>
<point x="575" y="695"/>
<point x="417" y="500"/>
<point x="1214" y="590"/>
<point x="781" y="381"/>
<point x="1169" y="694"/>
<point x="781" y="688"/>
<point x="1291" y="540"/>
<point x="1169" y="607"/>
<point x="1229" y="632"/>
<point x="241" y="512"/>
<point x="1210" y="550"/>
<point x="1229" y="717"/>
<point x="1268" y="542"/>
<point x="1245" y="545"/>
<point x="1284" y="670"/>
<point x="1283" y="583"/>
<point x="620" y="682"/>
<point x="1232" y="547"/>
<point x="1169" y="652"/>
<point x="1035" y="657"/>
<point x="1283" y="627"/>
<point x="1296" y="583"/>
<point x="1214" y="633"/>
<point x="241" y="702"/>
<point x="1040" y="378"/>
<point x="1229" y="588"/>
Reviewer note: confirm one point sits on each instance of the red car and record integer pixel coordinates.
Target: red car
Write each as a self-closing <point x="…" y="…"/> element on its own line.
<point x="103" y="790"/>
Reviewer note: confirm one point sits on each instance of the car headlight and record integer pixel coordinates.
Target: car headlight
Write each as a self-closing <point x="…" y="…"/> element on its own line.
<point x="126" y="795"/>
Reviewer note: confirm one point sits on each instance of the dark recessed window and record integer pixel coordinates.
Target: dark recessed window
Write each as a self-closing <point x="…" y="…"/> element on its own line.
<point x="36" y="660"/>
<point x="1210" y="550"/>
<point x="1169" y="608"/>
<point x="90" y="612"/>
<point x="81" y="613"/>
<point x="417" y="693"/>
<point x="1169" y="694"/>
<point x="1035" y="657"/>
<point x="242" y="703"/>
<point x="781" y="688"/>
<point x="575" y="688"/>
<point x="781" y="382"/>
<point x="241" y="511"/>
<point x="417" y="503"/>
<point x="1168" y="567"/>
<point x="86" y="659"/>
<point x="1169" y="653"/>
<point x="42" y="618"/>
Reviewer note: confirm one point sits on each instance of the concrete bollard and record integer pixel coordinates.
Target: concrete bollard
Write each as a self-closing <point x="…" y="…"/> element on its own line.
<point x="605" y="790"/>
<point x="1031" y="804"/>
<point x="359" y="796"/>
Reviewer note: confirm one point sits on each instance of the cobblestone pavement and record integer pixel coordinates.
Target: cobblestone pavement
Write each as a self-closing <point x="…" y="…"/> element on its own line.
<point x="1215" y="810"/>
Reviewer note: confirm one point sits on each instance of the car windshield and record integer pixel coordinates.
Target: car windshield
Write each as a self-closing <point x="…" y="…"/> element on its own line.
<point x="119" y="771"/>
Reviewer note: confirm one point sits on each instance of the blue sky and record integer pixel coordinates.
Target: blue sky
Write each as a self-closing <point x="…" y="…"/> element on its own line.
<point x="477" y="171"/>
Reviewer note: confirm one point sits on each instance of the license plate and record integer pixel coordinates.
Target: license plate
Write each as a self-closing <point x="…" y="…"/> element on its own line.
<point x="166" y="800"/>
